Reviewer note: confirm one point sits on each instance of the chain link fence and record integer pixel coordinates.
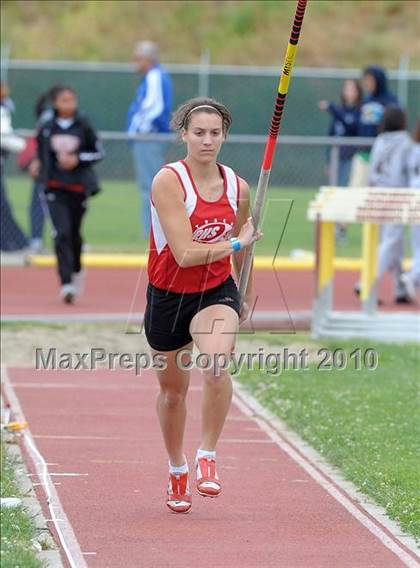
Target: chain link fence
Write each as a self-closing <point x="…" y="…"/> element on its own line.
<point x="301" y="165"/>
<point x="106" y="90"/>
<point x="300" y="161"/>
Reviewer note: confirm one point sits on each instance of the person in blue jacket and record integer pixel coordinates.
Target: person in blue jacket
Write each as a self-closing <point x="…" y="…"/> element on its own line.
<point x="149" y="113"/>
<point x="377" y="98"/>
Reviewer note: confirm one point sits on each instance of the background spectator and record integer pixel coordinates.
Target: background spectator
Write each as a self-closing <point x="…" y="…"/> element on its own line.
<point x="149" y="112"/>
<point x="67" y="148"/>
<point x="43" y="112"/>
<point x="345" y="121"/>
<point x="12" y="237"/>
<point x="388" y="168"/>
<point x="411" y="279"/>
<point x="377" y="99"/>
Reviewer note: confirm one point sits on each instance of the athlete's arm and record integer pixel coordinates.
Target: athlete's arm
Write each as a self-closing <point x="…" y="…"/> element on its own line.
<point x="241" y="218"/>
<point x="167" y="197"/>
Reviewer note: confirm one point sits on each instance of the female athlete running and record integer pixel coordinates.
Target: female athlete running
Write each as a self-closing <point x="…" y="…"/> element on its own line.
<point x="200" y="218"/>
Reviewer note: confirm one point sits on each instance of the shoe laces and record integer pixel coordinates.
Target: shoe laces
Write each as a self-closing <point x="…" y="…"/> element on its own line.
<point x="178" y="483"/>
<point x="210" y="467"/>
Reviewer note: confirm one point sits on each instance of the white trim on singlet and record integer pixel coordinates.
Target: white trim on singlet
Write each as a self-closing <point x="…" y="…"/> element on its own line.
<point x="158" y="234"/>
<point x="190" y="199"/>
<point x="190" y="194"/>
<point x="232" y="187"/>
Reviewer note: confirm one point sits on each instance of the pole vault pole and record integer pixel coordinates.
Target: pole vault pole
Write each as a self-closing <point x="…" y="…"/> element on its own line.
<point x="272" y="139"/>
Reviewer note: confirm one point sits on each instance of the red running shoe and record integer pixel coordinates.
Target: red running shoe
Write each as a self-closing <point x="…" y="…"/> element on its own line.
<point x="208" y="483"/>
<point x="178" y="493"/>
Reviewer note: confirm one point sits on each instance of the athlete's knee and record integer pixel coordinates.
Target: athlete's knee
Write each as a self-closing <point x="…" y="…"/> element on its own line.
<point x="216" y="376"/>
<point x="63" y="236"/>
<point x="171" y="398"/>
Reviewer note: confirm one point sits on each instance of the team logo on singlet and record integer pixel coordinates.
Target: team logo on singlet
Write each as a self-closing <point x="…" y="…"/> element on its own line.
<point x="212" y="231"/>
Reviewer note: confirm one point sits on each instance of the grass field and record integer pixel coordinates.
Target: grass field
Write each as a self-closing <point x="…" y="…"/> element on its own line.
<point x="364" y="422"/>
<point x="17" y="529"/>
<point x="234" y="32"/>
<point x="112" y="223"/>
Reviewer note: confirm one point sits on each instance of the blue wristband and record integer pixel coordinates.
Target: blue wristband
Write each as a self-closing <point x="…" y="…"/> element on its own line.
<point x="236" y="244"/>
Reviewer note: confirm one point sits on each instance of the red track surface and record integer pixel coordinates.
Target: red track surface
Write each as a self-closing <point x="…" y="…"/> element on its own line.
<point x="271" y="512"/>
<point x="102" y="423"/>
<point x="30" y="291"/>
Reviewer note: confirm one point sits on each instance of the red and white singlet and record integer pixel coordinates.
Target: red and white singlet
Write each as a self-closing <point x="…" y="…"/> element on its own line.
<point x="211" y="222"/>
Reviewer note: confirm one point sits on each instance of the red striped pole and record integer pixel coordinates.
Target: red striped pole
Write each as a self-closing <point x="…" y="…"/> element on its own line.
<point x="272" y="137"/>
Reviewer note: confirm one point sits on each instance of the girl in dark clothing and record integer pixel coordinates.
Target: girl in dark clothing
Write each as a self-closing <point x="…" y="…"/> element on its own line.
<point x="67" y="148"/>
<point x="345" y="120"/>
<point x="377" y="99"/>
<point x="43" y="111"/>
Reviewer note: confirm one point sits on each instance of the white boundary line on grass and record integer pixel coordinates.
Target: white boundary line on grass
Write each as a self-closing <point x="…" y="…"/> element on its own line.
<point x="65" y="531"/>
<point x="329" y="478"/>
<point x="296" y="316"/>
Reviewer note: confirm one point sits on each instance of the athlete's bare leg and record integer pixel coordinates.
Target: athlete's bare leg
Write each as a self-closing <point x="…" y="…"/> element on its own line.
<point x="171" y="407"/>
<point x="214" y="332"/>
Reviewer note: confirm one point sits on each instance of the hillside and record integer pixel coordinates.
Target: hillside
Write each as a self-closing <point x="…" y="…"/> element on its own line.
<point x="335" y="33"/>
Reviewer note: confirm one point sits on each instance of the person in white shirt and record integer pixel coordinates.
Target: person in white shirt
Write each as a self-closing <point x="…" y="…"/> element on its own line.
<point x="411" y="279"/>
<point x="388" y="168"/>
<point x="12" y="237"/>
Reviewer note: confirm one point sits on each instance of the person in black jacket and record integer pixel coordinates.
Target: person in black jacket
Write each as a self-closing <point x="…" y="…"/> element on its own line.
<point x="377" y="99"/>
<point x="67" y="149"/>
<point x="43" y="112"/>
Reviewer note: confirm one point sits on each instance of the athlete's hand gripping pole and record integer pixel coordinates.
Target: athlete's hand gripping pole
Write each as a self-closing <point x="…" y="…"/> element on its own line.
<point x="272" y="139"/>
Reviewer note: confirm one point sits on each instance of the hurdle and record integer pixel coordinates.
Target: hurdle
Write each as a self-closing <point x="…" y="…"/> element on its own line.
<point x="371" y="207"/>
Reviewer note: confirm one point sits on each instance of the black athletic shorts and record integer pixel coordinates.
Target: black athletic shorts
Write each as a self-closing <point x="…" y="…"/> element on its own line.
<point x="168" y="314"/>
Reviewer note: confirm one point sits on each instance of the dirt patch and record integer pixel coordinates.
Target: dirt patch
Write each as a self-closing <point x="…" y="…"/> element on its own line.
<point x="20" y="341"/>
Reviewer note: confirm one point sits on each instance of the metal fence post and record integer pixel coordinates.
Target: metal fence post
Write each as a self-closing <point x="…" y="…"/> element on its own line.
<point x="334" y="165"/>
<point x="369" y="292"/>
<point x="5" y="58"/>
<point x="403" y="80"/>
<point x="204" y="74"/>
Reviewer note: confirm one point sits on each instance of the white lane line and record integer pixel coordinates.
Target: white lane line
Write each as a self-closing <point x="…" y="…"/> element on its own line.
<point x="58" y="437"/>
<point x="118" y="462"/>
<point x="100" y="386"/>
<point x="58" y="475"/>
<point x="62" y="524"/>
<point x="68" y="474"/>
<point x="82" y="317"/>
<point x="245" y="441"/>
<point x="259" y="318"/>
<point x="80" y="386"/>
<point x="403" y="546"/>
